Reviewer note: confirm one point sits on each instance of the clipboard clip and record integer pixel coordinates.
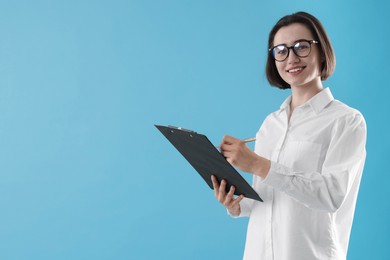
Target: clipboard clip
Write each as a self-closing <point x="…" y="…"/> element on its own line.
<point x="182" y="129"/>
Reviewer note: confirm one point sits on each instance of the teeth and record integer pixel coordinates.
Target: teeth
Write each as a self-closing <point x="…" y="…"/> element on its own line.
<point x="295" y="70"/>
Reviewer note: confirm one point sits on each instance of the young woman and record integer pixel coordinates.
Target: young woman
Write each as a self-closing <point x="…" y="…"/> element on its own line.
<point x="309" y="154"/>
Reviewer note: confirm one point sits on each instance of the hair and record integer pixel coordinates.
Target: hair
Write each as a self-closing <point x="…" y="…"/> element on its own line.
<point x="328" y="58"/>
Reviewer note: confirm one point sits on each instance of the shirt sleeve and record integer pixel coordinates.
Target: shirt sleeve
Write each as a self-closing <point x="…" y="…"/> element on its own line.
<point x="245" y="208"/>
<point x="344" y="161"/>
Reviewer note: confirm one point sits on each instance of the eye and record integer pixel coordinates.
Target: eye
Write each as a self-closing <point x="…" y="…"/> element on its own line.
<point x="280" y="50"/>
<point x="301" y="46"/>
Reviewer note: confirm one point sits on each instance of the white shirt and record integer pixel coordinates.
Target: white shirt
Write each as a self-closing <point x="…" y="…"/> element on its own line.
<point x="310" y="192"/>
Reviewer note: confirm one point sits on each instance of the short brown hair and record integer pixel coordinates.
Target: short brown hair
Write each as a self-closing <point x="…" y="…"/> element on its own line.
<point x="326" y="50"/>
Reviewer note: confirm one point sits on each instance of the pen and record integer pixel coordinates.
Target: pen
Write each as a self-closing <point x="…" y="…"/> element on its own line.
<point x="247" y="140"/>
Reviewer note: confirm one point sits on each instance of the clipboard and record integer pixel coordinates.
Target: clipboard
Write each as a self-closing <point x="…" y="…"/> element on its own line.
<point x="207" y="160"/>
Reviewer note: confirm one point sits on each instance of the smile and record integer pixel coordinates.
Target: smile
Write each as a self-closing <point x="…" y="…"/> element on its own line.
<point x="295" y="70"/>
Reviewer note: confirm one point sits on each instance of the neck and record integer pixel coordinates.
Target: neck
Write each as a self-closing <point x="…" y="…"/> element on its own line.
<point x="302" y="93"/>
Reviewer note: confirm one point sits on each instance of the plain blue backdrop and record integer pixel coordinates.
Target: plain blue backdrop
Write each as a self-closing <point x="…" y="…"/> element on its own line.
<point x="83" y="172"/>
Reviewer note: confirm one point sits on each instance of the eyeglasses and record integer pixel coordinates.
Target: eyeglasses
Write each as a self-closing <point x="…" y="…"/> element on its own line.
<point x="301" y="48"/>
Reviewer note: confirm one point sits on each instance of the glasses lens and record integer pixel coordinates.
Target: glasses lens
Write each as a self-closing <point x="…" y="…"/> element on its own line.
<point x="302" y="49"/>
<point x="280" y="52"/>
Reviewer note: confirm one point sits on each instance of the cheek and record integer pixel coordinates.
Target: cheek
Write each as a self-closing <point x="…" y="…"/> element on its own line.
<point x="281" y="70"/>
<point x="318" y="68"/>
<point x="321" y="64"/>
<point x="317" y="62"/>
<point x="279" y="67"/>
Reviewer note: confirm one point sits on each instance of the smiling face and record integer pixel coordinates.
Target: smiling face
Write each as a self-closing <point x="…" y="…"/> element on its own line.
<point x="298" y="71"/>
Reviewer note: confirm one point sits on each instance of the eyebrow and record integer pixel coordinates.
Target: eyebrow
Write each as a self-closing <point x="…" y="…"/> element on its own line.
<point x="294" y="42"/>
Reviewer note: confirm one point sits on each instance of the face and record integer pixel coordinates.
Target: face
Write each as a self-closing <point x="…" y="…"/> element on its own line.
<point x="298" y="71"/>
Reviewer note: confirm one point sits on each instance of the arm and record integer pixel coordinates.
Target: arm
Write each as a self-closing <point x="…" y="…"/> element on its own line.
<point x="325" y="190"/>
<point x="344" y="161"/>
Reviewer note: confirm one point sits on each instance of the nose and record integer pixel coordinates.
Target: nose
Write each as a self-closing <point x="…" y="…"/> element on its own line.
<point x="292" y="57"/>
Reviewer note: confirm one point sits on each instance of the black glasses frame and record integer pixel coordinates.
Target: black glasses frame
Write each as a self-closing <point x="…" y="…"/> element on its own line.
<point x="292" y="47"/>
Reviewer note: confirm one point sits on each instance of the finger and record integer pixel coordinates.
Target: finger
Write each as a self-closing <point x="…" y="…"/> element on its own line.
<point x="231" y="191"/>
<point x="222" y="191"/>
<point x="215" y="185"/>
<point x="238" y="200"/>
<point x="214" y="181"/>
<point x="230" y="196"/>
<point x="227" y="139"/>
<point x="227" y="154"/>
<point x="223" y="148"/>
<point x="227" y="145"/>
<point x="232" y="160"/>
<point x="229" y="151"/>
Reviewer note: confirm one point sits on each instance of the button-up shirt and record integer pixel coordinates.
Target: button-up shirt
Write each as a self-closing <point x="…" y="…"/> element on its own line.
<point x="317" y="158"/>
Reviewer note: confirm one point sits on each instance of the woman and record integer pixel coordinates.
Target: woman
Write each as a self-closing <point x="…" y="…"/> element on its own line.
<point x="309" y="154"/>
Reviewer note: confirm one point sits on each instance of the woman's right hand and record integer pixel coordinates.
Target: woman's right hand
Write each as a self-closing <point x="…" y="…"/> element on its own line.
<point x="227" y="199"/>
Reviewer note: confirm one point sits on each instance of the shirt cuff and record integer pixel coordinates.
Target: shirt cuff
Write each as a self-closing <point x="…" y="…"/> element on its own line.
<point x="245" y="208"/>
<point x="278" y="175"/>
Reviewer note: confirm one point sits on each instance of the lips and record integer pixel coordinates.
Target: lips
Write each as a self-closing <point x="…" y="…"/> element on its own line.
<point x="296" y="69"/>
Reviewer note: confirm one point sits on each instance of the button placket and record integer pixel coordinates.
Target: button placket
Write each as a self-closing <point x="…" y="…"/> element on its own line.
<point x="268" y="241"/>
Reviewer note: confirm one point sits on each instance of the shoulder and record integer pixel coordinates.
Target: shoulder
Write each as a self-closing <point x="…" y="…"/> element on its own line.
<point x="343" y="115"/>
<point x="341" y="110"/>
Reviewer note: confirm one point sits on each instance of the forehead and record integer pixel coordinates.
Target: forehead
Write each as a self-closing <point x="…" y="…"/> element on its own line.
<point x="291" y="33"/>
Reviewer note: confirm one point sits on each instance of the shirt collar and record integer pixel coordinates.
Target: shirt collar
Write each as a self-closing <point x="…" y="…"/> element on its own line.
<point x="317" y="103"/>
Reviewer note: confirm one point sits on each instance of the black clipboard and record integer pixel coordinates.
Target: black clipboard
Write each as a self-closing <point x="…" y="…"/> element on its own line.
<point x="207" y="160"/>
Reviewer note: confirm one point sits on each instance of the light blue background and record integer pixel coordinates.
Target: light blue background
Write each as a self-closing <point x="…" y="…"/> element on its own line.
<point x="83" y="172"/>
